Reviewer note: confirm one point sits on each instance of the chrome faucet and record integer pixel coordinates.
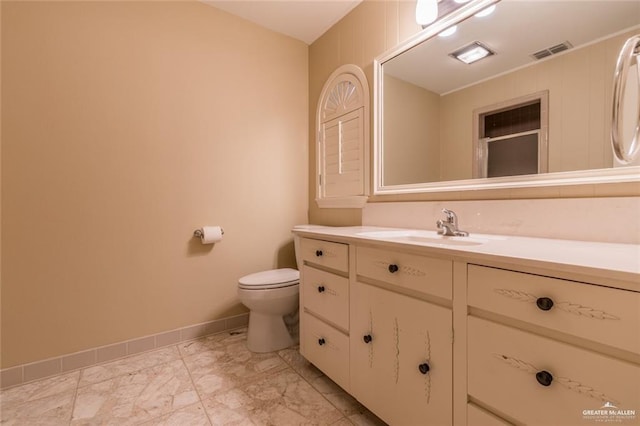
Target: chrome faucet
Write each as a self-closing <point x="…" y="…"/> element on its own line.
<point x="449" y="226"/>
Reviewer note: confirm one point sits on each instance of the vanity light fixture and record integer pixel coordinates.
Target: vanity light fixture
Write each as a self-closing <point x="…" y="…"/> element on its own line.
<point x="461" y="1"/>
<point x="486" y="12"/>
<point x="448" y="32"/>
<point x="472" y="52"/>
<point x="426" y="12"/>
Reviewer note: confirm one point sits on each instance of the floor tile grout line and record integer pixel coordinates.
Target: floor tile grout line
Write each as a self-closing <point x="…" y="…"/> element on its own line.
<point x="142" y="422"/>
<point x="75" y="398"/>
<point x="182" y="356"/>
<point x="195" y="388"/>
<point x="146" y="421"/>
<point x="286" y="364"/>
<point x="314" y="388"/>
<point x="141" y="355"/>
<point x="128" y="373"/>
<point x="323" y="396"/>
<point x="28" y="400"/>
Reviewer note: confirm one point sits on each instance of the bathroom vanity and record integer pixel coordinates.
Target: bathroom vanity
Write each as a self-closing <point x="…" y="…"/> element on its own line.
<point x="477" y="330"/>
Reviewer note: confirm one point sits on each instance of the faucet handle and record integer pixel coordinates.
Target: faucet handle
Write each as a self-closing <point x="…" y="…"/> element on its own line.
<point x="451" y="216"/>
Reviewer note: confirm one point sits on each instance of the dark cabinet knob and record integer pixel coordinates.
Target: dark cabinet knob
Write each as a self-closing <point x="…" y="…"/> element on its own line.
<point x="321" y="341"/>
<point x="318" y="253"/>
<point x="393" y="268"/>
<point x="320" y="289"/>
<point x="544" y="303"/>
<point x="367" y="338"/>
<point x="544" y="378"/>
<point x="424" y="368"/>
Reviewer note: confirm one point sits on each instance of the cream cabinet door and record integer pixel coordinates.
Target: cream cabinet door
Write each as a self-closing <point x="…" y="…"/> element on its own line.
<point x="401" y="357"/>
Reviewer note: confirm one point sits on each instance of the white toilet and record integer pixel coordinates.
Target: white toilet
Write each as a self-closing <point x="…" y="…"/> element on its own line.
<point x="272" y="298"/>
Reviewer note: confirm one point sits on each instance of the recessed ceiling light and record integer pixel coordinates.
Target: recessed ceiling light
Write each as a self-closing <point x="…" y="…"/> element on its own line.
<point x="486" y="12"/>
<point x="472" y="52"/>
<point x="449" y="31"/>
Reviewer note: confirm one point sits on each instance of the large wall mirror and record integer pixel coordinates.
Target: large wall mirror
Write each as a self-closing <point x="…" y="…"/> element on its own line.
<point x="535" y="110"/>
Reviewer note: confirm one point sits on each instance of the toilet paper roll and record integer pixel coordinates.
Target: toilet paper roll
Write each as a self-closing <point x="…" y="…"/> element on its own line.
<point x="211" y="234"/>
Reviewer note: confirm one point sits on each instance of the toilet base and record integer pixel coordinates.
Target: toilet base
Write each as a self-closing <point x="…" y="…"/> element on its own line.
<point x="267" y="333"/>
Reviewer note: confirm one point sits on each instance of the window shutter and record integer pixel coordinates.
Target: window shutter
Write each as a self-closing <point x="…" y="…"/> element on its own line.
<point x="343" y="143"/>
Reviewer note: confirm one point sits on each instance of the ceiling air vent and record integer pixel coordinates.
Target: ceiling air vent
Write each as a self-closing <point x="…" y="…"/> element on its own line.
<point x="552" y="50"/>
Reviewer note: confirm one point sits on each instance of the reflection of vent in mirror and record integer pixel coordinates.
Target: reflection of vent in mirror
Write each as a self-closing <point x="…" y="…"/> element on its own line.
<point x="511" y="138"/>
<point x="552" y="50"/>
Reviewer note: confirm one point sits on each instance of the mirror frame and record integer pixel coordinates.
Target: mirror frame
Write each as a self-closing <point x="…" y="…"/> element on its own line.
<point x="479" y="188"/>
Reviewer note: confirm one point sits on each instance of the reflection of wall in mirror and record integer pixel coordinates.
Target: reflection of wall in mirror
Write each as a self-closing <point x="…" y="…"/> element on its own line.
<point x="411" y="130"/>
<point x="580" y="92"/>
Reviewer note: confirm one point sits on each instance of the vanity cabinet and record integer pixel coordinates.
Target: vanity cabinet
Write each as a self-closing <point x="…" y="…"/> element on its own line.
<point x="401" y="356"/>
<point x="400" y="342"/>
<point x="324" y="307"/>
<point x="543" y="350"/>
<point x="429" y="335"/>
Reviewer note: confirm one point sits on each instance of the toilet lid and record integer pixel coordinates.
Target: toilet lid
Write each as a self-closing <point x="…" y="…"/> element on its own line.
<point x="275" y="278"/>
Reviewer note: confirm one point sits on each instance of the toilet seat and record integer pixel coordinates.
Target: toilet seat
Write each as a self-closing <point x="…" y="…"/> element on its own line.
<point x="266" y="280"/>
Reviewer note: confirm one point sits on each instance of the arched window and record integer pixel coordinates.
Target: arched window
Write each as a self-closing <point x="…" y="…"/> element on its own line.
<point x="342" y="131"/>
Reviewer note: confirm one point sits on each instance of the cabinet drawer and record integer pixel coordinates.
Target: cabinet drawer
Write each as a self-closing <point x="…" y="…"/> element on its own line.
<point x="476" y="416"/>
<point x="326" y="348"/>
<point x="506" y="368"/>
<point x="325" y="253"/>
<point x="327" y="295"/>
<point x="608" y="315"/>
<point x="423" y="274"/>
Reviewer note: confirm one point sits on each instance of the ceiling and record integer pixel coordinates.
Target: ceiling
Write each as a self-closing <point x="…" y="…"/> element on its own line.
<point x="305" y="20"/>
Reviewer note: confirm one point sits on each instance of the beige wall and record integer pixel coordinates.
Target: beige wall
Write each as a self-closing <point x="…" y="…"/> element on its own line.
<point x="0" y="185"/>
<point x="365" y="33"/>
<point x="412" y="132"/>
<point x="125" y="127"/>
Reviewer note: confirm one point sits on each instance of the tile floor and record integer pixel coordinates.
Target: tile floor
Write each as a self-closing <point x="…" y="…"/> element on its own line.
<point x="214" y="380"/>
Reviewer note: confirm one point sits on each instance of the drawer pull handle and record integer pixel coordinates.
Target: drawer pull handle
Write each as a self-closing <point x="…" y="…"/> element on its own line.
<point x="544" y="303"/>
<point x="320" y="289"/>
<point x="321" y="341"/>
<point x="367" y="338"/>
<point x="544" y="378"/>
<point x="393" y="268"/>
<point x="424" y="368"/>
<point x="318" y="253"/>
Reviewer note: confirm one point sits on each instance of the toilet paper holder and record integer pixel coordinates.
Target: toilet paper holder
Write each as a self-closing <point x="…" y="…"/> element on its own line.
<point x="198" y="233"/>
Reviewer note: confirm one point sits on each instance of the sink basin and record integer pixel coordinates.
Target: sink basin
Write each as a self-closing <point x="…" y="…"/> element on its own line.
<point x="426" y="237"/>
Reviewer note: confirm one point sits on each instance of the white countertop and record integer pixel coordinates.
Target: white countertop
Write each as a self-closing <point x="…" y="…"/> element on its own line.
<point x="611" y="262"/>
